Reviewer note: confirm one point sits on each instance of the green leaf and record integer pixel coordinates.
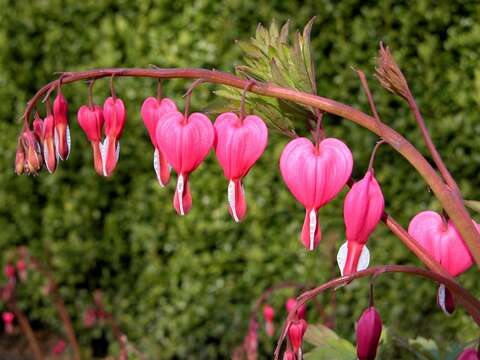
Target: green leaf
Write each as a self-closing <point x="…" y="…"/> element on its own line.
<point x="328" y="345"/>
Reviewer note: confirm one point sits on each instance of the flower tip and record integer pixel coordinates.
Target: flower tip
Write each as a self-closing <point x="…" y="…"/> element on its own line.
<point x="368" y="332"/>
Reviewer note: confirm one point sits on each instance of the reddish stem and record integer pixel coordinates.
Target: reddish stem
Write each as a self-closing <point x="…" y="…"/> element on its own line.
<point x="242" y="101"/>
<point x="188" y="96"/>
<point x="27" y="330"/>
<point x="450" y="201"/>
<point x="374" y="152"/>
<point x="159" y="89"/>
<point x="90" y="94"/>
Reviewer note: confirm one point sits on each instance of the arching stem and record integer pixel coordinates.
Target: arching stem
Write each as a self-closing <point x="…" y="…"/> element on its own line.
<point x="374" y="152"/>
<point x="242" y="101"/>
<point x="188" y="96"/>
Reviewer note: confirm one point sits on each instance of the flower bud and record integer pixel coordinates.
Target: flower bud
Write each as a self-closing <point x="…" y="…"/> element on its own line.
<point x="19" y="159"/>
<point x="115" y="117"/>
<point x="22" y="269"/>
<point x="296" y="330"/>
<point x="369" y="329"/>
<point x="291" y="304"/>
<point x="48" y="143"/>
<point x="9" y="271"/>
<point x="251" y="341"/>
<point x="90" y="119"/>
<point x="469" y="354"/>
<point x="8" y="318"/>
<point x="268" y="315"/>
<point x="62" y="130"/>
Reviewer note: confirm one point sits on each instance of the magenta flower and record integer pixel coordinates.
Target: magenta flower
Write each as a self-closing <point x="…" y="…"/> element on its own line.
<point x="296" y="330"/>
<point x="442" y="241"/>
<point x="315" y="175"/>
<point x="59" y="347"/>
<point x="152" y="112"/>
<point x="289" y="355"/>
<point x="185" y="142"/>
<point x="115" y="117"/>
<point x="369" y="329"/>
<point x="8" y="318"/>
<point x="269" y="315"/>
<point x="362" y="211"/>
<point x="469" y="354"/>
<point x="62" y="130"/>
<point x="291" y="304"/>
<point x="21" y="266"/>
<point x="9" y="271"/>
<point x="238" y="145"/>
<point x="90" y="119"/>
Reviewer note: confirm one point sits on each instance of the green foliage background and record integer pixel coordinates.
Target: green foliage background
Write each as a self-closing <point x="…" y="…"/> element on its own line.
<point x="183" y="287"/>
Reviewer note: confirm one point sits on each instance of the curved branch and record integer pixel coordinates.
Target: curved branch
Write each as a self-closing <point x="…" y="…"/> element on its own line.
<point x="459" y="291"/>
<point x="450" y="201"/>
<point x="27" y="330"/>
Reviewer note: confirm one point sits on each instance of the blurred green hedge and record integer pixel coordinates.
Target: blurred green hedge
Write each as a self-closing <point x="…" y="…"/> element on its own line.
<point x="183" y="287"/>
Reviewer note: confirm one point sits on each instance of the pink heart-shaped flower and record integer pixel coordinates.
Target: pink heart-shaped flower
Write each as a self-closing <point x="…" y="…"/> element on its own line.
<point x="115" y="117"/>
<point x="90" y="119"/>
<point x="62" y="130"/>
<point x="152" y="112"/>
<point x="238" y="145"/>
<point x="315" y="175"/>
<point x="185" y="142"/>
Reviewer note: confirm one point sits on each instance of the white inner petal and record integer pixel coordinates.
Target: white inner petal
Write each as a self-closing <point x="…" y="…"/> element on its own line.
<point x="231" y="199"/>
<point x="117" y="152"/>
<point x="342" y="258"/>
<point x="69" y="141"/>
<point x="180" y="193"/>
<point x="312" y="228"/>
<point x="103" y="154"/>
<point x="442" y="297"/>
<point x="45" y="157"/>
<point x="55" y="140"/>
<point x="156" y="167"/>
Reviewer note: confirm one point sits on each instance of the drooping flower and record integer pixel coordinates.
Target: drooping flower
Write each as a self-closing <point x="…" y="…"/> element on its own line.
<point x="8" y="318"/>
<point x="19" y="158"/>
<point x="469" y="354"/>
<point x="291" y="304"/>
<point x="362" y="211"/>
<point x="33" y="154"/>
<point x="296" y="330"/>
<point x="152" y="111"/>
<point x="90" y="119"/>
<point x="289" y="355"/>
<point x="185" y="142"/>
<point x="238" y="145"/>
<point x="315" y="175"/>
<point x="62" y="130"/>
<point x="115" y="117"/>
<point x="48" y="143"/>
<point x="444" y="243"/>
<point x="369" y="329"/>
<point x="269" y="315"/>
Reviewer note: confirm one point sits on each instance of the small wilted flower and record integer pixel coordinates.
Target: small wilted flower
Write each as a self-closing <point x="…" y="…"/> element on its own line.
<point x="269" y="315"/>
<point x="389" y="74"/>
<point x="8" y="318"/>
<point x="33" y="154"/>
<point x="369" y="329"/>
<point x="469" y="354"/>
<point x="291" y="304"/>
<point x="296" y="330"/>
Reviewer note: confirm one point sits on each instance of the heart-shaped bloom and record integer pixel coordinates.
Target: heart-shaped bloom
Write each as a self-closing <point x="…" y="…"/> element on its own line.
<point x="469" y="354"/>
<point x="296" y="330"/>
<point x="62" y="130"/>
<point x="90" y="119"/>
<point x="185" y="142"/>
<point x="443" y="242"/>
<point x="152" y="112"/>
<point x="315" y="175"/>
<point x="238" y="145"/>
<point x="291" y="304"/>
<point x="369" y="329"/>
<point x="362" y="211"/>
<point x="269" y="315"/>
<point x="115" y="117"/>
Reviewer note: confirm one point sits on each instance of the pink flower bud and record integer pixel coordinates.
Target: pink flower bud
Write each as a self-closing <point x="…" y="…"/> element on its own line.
<point x="9" y="271"/>
<point x="469" y="354"/>
<point x="48" y="143"/>
<point x="8" y="318"/>
<point x="289" y="355"/>
<point x="62" y="130"/>
<point x="59" y="347"/>
<point x="362" y="211"/>
<point x="91" y="121"/>
<point x="369" y="329"/>
<point x="38" y="127"/>
<point x="115" y="117"/>
<point x="315" y="174"/>
<point x="268" y="313"/>
<point x="296" y="330"/>
<point x="291" y="304"/>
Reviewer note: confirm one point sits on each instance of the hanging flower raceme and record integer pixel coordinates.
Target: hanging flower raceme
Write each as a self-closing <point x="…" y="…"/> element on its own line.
<point x="115" y="117"/>
<point x="152" y="112"/>
<point x="362" y="211"/>
<point x="239" y="143"/>
<point x="8" y="318"/>
<point x="469" y="354"/>
<point x="32" y="150"/>
<point x="269" y="315"/>
<point x="62" y="130"/>
<point x="185" y="141"/>
<point x="90" y="119"/>
<point x="369" y="329"/>
<point x="315" y="174"/>
<point x="443" y="242"/>
<point x="296" y="330"/>
<point x="291" y="304"/>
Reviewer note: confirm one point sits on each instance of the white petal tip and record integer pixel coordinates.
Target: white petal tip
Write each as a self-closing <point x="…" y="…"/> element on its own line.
<point x="363" y="262"/>
<point x="231" y="200"/>
<point x="180" y="185"/>
<point x="442" y="298"/>
<point x="69" y="142"/>
<point x="313" y="226"/>
<point x="156" y="167"/>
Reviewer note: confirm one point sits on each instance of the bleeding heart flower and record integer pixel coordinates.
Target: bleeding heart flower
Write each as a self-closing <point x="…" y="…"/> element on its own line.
<point x="62" y="130"/>
<point x="315" y="175"/>
<point x="33" y="154"/>
<point x="296" y="330"/>
<point x="152" y="111"/>
<point x="8" y="318"/>
<point x="48" y="143"/>
<point x="269" y="315"/>
<point x="238" y="145"/>
<point x="442" y="241"/>
<point x="185" y="142"/>
<point x="90" y="119"/>
<point x="362" y="211"/>
<point x="369" y="329"/>
<point x="115" y="118"/>
<point x="19" y="158"/>
<point x="291" y="304"/>
<point x="289" y="355"/>
<point x="469" y="354"/>
<point x="38" y="127"/>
